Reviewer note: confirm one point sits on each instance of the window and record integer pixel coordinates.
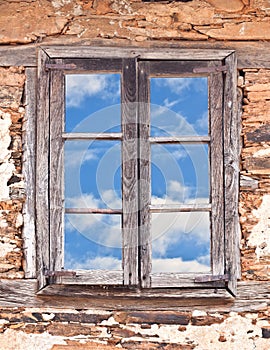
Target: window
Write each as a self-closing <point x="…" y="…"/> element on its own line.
<point x="137" y="169"/>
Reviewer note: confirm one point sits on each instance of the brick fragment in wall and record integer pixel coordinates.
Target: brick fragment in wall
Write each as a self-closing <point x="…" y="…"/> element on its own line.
<point x="239" y="31"/>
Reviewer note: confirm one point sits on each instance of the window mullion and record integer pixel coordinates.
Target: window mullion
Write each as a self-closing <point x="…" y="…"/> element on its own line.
<point x="216" y="176"/>
<point x="56" y="187"/>
<point x="130" y="172"/>
<point x="145" y="250"/>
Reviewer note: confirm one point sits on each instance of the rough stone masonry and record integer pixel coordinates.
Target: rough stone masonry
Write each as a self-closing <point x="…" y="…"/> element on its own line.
<point x="31" y="23"/>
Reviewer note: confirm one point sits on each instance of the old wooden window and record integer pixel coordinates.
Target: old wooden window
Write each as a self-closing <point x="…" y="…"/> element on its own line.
<point x="130" y="190"/>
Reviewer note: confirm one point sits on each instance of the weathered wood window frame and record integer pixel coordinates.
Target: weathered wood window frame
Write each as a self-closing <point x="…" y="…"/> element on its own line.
<point x="136" y="66"/>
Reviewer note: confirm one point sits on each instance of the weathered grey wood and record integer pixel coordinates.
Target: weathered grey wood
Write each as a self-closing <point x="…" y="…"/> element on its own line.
<point x="92" y="65"/>
<point x="93" y="277"/>
<point x="183" y="68"/>
<point x="42" y="170"/>
<point x="174" y="208"/>
<point x="252" y="296"/>
<point x="180" y="280"/>
<point x="56" y="186"/>
<point x="250" y="54"/>
<point x="92" y="211"/>
<point x="232" y="130"/>
<point x="179" y="139"/>
<point x="216" y="172"/>
<point x="92" y="136"/>
<point x="24" y="55"/>
<point x="130" y="172"/>
<point x="145" y="250"/>
<point x="143" y="53"/>
<point x="28" y="171"/>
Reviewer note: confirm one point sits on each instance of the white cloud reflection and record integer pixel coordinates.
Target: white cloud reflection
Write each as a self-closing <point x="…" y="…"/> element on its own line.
<point x="79" y="87"/>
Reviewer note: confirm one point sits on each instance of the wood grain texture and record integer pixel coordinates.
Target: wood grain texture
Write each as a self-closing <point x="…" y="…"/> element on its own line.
<point x="56" y="184"/>
<point x="145" y="251"/>
<point x="180" y="139"/>
<point x="250" y="54"/>
<point x="252" y="297"/>
<point x="175" y="208"/>
<point x="143" y="53"/>
<point x="92" y="211"/>
<point x="184" y="68"/>
<point x="130" y="172"/>
<point x="92" y="136"/>
<point x="93" y="277"/>
<point x="28" y="171"/>
<point x="42" y="170"/>
<point x="232" y="139"/>
<point x="24" y="55"/>
<point x="216" y="172"/>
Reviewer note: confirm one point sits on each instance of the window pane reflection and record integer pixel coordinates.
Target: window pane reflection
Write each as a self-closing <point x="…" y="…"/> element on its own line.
<point x="92" y="242"/>
<point x="181" y="242"/>
<point x="179" y="106"/>
<point x="93" y="174"/>
<point x="180" y="174"/>
<point x="93" y="103"/>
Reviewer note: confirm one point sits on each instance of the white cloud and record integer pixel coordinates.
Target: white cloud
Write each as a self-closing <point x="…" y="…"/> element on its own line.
<point x="79" y="87"/>
<point x="178" y="265"/>
<point x="168" y="229"/>
<point x="202" y="123"/>
<point x="97" y="263"/>
<point x="177" y="85"/>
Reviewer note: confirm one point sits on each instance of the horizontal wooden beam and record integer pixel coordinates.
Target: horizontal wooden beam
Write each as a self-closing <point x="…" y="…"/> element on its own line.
<point x="250" y="54"/>
<point x="252" y="296"/>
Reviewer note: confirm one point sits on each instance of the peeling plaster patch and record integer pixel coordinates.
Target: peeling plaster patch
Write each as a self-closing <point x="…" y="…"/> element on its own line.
<point x="265" y="152"/>
<point x="18" y="340"/>
<point x="5" y="139"/>
<point x="6" y="170"/>
<point x="6" y="248"/>
<point x="242" y="29"/>
<point x="60" y="3"/>
<point x="260" y="234"/>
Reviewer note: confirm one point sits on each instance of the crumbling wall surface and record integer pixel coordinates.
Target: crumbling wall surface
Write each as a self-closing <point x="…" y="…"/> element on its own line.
<point x="11" y="181"/>
<point x="131" y="22"/>
<point x="48" y="329"/>
<point x="255" y="201"/>
<point x="134" y="20"/>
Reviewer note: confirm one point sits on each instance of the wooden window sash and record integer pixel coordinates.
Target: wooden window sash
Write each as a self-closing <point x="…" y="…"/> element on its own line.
<point x="230" y="258"/>
<point x="150" y="69"/>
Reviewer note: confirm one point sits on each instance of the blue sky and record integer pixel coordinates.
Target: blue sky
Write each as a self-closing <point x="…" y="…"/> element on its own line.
<point x="179" y="106"/>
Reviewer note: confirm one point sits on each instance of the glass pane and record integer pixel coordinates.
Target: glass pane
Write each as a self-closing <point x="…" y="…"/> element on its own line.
<point x="93" y="174"/>
<point x="180" y="174"/>
<point x="179" y="106"/>
<point x="92" y="242"/>
<point x="181" y="242"/>
<point x="93" y="103"/>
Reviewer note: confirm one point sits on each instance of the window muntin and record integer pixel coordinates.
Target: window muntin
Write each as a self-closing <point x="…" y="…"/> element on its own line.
<point x="217" y="107"/>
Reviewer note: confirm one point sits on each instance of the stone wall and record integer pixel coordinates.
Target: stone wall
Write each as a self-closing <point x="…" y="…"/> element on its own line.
<point x="132" y="22"/>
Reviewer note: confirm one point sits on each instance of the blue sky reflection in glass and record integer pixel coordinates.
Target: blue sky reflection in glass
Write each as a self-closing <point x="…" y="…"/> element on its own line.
<point x="179" y="106"/>
<point x="180" y="175"/>
<point x="93" y="242"/>
<point x="92" y="179"/>
<point x="93" y="103"/>
<point x="181" y="242"/>
<point x="93" y="172"/>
